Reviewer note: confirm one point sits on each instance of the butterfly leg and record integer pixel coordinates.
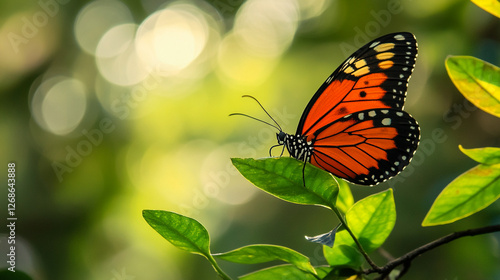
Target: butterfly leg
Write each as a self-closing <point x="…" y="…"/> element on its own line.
<point x="303" y="173"/>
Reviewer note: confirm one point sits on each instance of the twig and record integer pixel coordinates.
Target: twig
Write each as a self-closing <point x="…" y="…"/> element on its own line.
<point x="408" y="258"/>
<point x="374" y="267"/>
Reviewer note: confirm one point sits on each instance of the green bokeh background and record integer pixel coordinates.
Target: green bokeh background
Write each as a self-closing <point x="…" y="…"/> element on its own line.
<point x="168" y="138"/>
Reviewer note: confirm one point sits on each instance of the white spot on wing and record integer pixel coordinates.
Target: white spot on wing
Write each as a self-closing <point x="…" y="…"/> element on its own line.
<point x="374" y="44"/>
<point x="399" y="37"/>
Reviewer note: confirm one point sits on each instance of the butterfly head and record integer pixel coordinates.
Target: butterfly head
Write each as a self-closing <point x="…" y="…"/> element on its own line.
<point x="281" y="136"/>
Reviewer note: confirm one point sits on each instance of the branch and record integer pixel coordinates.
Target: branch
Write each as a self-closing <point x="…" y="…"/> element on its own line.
<point x="408" y="258"/>
<point x="360" y="248"/>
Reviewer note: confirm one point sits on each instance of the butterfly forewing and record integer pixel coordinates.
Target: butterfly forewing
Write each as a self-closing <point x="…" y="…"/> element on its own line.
<point x="374" y="77"/>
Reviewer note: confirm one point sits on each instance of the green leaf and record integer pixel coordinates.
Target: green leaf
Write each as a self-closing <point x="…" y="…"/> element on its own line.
<point x="344" y="251"/>
<point x="344" y="199"/>
<point x="17" y="275"/>
<point x="467" y="194"/>
<point x="288" y="272"/>
<point x="265" y="253"/>
<point x="486" y="156"/>
<point x="491" y="6"/>
<point x="372" y="219"/>
<point x="344" y="273"/>
<point x="183" y="232"/>
<point x="282" y="177"/>
<point x="477" y="80"/>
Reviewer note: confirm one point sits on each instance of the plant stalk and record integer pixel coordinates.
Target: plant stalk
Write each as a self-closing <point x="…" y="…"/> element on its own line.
<point x="374" y="266"/>
<point x="219" y="271"/>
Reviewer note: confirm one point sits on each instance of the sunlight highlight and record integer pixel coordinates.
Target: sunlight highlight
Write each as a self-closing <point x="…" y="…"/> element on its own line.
<point x="117" y="58"/>
<point x="267" y="27"/>
<point x="171" y="39"/>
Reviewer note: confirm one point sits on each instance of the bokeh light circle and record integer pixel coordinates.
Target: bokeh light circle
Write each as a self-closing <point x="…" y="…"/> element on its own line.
<point x="171" y="39"/>
<point x="59" y="104"/>
<point x="95" y="19"/>
<point x="265" y="27"/>
<point x="117" y="59"/>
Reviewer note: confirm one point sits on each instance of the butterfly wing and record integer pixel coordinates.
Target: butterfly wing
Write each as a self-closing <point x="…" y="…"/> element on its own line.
<point x="375" y="76"/>
<point x="356" y="121"/>
<point x="367" y="147"/>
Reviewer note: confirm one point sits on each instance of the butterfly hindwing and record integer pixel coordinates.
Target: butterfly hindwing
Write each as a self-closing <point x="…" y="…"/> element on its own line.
<point x="374" y="77"/>
<point x="367" y="147"/>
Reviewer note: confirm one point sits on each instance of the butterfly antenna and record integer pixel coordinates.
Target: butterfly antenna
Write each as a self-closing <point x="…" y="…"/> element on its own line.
<point x="245" y="115"/>
<point x="277" y="126"/>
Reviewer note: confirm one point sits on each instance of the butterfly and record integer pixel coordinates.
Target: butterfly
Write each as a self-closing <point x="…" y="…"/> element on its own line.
<point x="354" y="126"/>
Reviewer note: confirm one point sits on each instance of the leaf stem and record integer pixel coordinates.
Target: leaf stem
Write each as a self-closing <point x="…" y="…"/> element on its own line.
<point x="374" y="266"/>
<point x="217" y="268"/>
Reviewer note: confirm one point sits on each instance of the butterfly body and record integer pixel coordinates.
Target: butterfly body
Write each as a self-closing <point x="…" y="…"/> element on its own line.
<point x="354" y="126"/>
<point x="297" y="145"/>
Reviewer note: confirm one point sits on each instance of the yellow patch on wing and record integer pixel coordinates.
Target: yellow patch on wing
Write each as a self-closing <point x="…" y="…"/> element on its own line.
<point x="386" y="64"/>
<point x="384" y="55"/>
<point x="361" y="72"/>
<point x="384" y="47"/>
<point x="360" y="63"/>
<point x="349" y="70"/>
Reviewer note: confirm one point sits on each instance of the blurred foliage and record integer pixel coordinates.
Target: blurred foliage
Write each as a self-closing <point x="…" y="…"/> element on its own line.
<point x="479" y="187"/>
<point x="111" y="107"/>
